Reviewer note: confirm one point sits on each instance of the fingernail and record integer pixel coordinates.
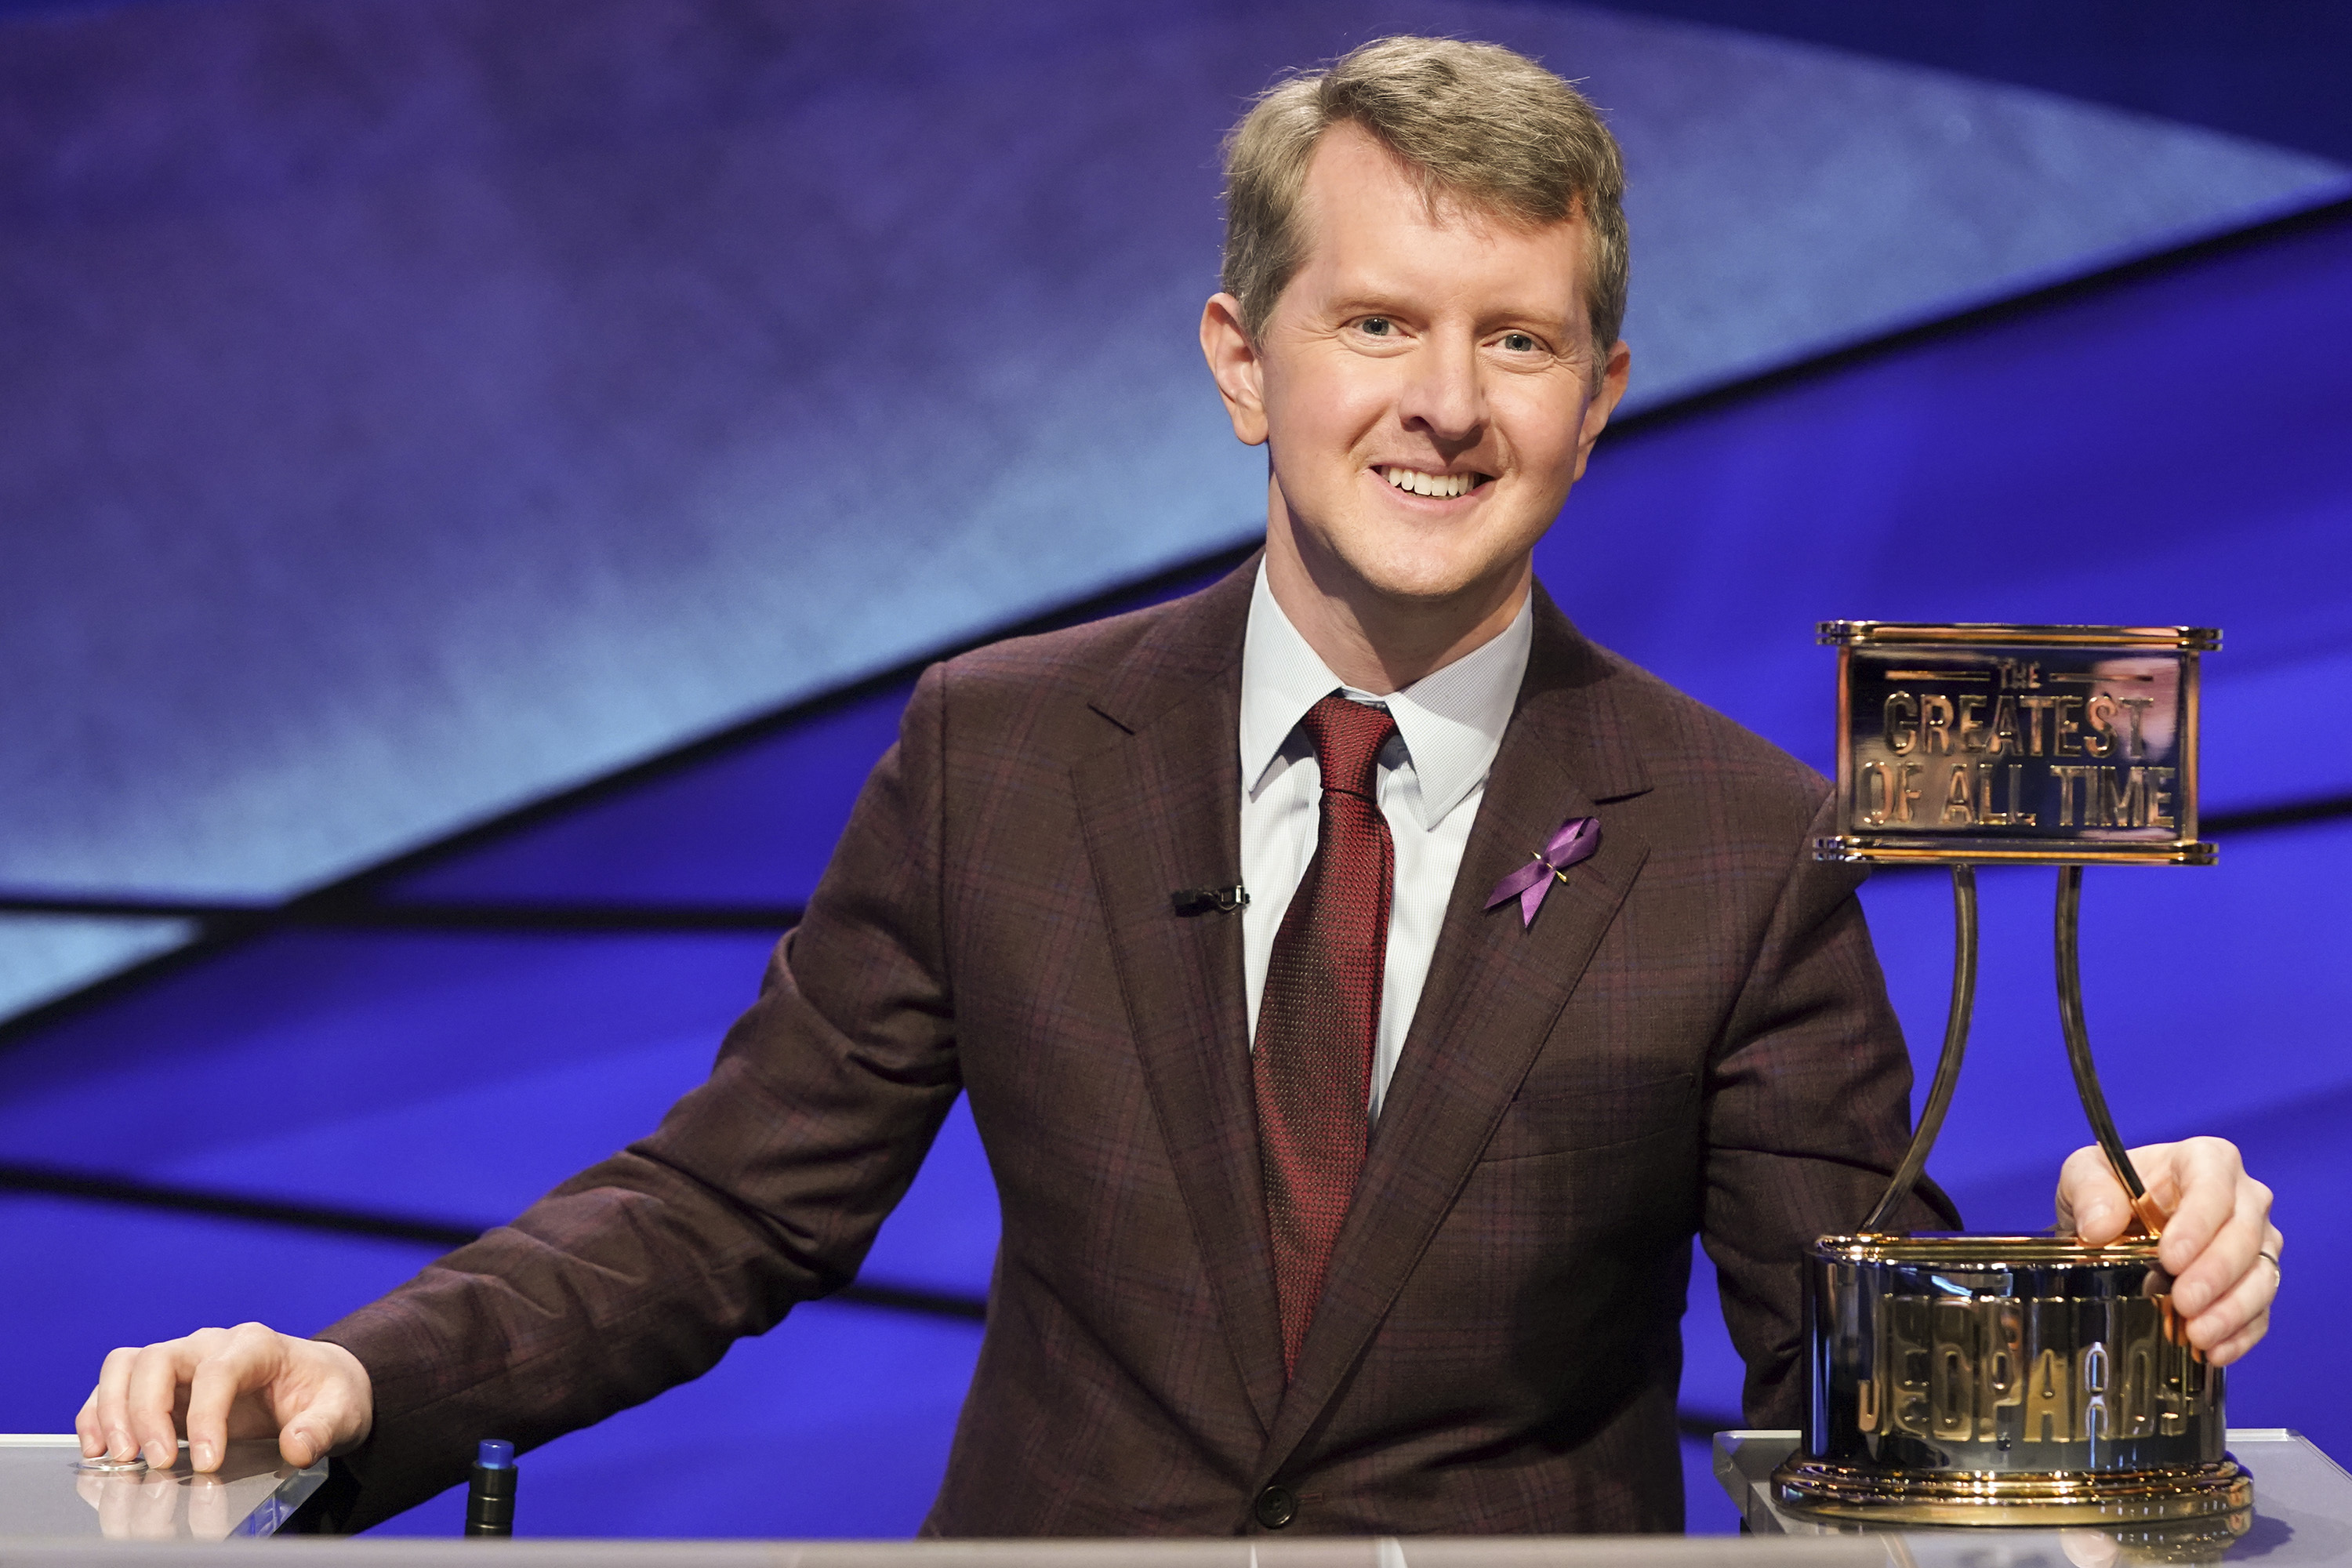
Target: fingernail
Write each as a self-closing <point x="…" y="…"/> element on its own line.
<point x="201" y="1456"/>
<point x="158" y="1458"/>
<point x="2094" y="1217"/>
<point x="2191" y="1299"/>
<point x="118" y="1446"/>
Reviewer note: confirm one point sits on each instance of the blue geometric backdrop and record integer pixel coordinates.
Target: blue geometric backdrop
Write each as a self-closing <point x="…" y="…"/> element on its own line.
<point x="483" y="470"/>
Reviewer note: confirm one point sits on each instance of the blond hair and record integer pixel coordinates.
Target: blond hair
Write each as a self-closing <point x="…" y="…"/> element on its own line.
<point x="1485" y="127"/>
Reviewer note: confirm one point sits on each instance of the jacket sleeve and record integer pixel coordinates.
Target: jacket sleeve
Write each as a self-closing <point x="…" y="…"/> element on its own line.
<point x="761" y="1188"/>
<point x="1809" y="1113"/>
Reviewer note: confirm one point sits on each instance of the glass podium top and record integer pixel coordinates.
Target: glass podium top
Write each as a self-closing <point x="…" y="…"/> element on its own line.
<point x="56" y="1514"/>
<point x="48" y="1492"/>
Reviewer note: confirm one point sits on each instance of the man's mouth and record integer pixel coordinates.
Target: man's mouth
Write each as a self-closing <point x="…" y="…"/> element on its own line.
<point x="1420" y="482"/>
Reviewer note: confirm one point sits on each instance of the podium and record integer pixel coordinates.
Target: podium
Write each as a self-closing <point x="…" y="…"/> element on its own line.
<point x="47" y="1493"/>
<point x="50" y="1516"/>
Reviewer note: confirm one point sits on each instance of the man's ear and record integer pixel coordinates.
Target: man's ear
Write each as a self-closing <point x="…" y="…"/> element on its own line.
<point x="1232" y="360"/>
<point x="1602" y="402"/>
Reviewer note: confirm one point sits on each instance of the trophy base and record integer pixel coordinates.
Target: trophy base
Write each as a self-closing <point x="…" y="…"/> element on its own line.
<point x="2220" y="1493"/>
<point x="2008" y="1380"/>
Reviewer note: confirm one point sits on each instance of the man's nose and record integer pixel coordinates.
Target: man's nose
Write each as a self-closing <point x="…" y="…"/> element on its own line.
<point x="1444" y="393"/>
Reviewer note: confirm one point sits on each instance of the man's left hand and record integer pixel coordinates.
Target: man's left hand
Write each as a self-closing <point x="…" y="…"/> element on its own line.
<point x="2219" y="1244"/>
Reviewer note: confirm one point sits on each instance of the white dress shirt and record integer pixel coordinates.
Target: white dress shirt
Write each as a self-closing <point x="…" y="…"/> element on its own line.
<point x="1433" y="773"/>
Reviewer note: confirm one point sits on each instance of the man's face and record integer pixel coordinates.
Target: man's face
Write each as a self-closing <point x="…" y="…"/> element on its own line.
<point x="1425" y="386"/>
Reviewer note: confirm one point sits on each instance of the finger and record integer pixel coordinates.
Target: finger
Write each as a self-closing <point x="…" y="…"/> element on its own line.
<point x="152" y="1395"/>
<point x="2091" y="1203"/>
<point x="2246" y="1303"/>
<point x="2244" y="1340"/>
<point x="245" y="1359"/>
<point x="2230" y="1258"/>
<point x="112" y="1394"/>
<point x="2246" y="1300"/>
<point x="93" y="1443"/>
<point x="2207" y="1177"/>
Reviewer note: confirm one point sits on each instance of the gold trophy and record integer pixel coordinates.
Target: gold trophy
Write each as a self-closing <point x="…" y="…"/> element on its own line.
<point x="2030" y="1380"/>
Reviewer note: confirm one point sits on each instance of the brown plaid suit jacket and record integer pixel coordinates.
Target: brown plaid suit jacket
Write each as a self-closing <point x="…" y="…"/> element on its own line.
<point x="1691" y="1037"/>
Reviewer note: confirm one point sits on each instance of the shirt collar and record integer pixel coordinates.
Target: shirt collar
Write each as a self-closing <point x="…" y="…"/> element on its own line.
<point x="1451" y="720"/>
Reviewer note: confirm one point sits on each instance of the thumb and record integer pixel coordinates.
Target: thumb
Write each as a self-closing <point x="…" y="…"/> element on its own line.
<point x="2091" y="1202"/>
<point x="306" y="1440"/>
<point x="2101" y="1221"/>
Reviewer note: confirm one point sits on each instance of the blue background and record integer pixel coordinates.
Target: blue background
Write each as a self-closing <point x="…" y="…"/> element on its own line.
<point x="480" y="473"/>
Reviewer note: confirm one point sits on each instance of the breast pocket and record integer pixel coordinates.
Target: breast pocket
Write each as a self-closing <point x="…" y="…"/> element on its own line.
<point x="1595" y="1116"/>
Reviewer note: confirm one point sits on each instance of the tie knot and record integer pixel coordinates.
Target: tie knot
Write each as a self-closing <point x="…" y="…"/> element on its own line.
<point x="1348" y="739"/>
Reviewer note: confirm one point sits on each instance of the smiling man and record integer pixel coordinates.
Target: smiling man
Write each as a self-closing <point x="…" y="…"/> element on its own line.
<point x="1348" y="1167"/>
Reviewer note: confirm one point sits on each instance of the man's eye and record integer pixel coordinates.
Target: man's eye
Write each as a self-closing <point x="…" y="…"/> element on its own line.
<point x="1518" y="343"/>
<point x="1376" y="326"/>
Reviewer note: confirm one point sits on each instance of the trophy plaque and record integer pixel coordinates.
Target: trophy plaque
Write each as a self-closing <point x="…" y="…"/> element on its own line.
<point x="1987" y="1379"/>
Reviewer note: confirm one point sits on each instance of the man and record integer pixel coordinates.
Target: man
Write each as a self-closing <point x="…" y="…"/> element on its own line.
<point x="1408" y="1254"/>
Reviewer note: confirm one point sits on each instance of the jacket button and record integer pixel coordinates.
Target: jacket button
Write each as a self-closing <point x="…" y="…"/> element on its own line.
<point x="1277" y="1506"/>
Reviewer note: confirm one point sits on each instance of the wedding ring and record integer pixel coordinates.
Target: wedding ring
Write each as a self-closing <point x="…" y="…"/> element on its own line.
<point x="2266" y="1252"/>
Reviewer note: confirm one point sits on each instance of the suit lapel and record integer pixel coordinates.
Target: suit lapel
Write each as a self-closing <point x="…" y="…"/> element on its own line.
<point x="1160" y="807"/>
<point x="1494" y="991"/>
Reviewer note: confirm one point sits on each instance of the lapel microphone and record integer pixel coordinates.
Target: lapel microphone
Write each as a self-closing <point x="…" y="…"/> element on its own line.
<point x="1209" y="900"/>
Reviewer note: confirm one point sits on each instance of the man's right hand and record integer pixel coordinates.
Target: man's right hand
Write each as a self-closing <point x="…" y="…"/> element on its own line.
<point x="217" y="1383"/>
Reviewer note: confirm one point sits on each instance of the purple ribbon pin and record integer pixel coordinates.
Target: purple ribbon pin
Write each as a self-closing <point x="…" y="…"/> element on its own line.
<point x="1578" y="838"/>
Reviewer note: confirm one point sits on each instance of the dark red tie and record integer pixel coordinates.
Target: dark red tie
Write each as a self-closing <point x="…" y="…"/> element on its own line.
<point x="1320" y="1010"/>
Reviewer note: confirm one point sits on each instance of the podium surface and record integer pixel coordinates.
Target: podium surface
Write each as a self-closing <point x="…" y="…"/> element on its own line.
<point x="47" y="1493"/>
<point x="54" y="1514"/>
